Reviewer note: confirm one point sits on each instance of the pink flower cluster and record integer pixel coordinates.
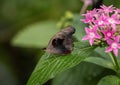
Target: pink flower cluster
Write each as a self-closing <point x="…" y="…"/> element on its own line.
<point x="103" y="26"/>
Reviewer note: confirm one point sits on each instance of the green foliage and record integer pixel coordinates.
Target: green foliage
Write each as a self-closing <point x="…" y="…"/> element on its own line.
<point x="110" y="80"/>
<point x="7" y="76"/>
<point x="100" y="61"/>
<point x="100" y="58"/>
<point x="39" y="34"/>
<point x="82" y="74"/>
<point x="102" y="52"/>
<point x="36" y="35"/>
<point x="116" y="3"/>
<point x="16" y="17"/>
<point x="16" y="14"/>
<point x="79" y="26"/>
<point x="50" y="65"/>
<point x="65" y="20"/>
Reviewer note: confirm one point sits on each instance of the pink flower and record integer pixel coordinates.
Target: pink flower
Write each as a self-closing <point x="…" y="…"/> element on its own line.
<point x="108" y="9"/>
<point x="108" y="33"/>
<point x="113" y="21"/>
<point x="88" y="17"/>
<point x="114" y="45"/>
<point x="101" y="21"/>
<point x="117" y="11"/>
<point x="91" y="35"/>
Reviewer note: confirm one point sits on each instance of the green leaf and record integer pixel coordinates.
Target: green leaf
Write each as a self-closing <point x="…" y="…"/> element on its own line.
<point x="109" y="80"/>
<point x="50" y="64"/>
<point x="39" y="34"/>
<point x="100" y="61"/>
<point x="83" y="74"/>
<point x="36" y="35"/>
<point x="79" y="25"/>
<point x="99" y="57"/>
<point x="103" y="54"/>
<point x="115" y="3"/>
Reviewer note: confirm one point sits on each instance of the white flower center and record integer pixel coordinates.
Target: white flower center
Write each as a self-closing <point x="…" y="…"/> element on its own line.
<point x="91" y="35"/>
<point x="112" y="21"/>
<point x="100" y="22"/>
<point x="109" y="34"/>
<point x="114" y="45"/>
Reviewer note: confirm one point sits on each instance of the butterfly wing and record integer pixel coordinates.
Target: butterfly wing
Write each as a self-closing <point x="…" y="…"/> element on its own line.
<point x="62" y="42"/>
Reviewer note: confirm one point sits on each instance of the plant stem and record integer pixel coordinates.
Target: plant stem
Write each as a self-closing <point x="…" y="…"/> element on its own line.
<point x="84" y="7"/>
<point x="114" y="60"/>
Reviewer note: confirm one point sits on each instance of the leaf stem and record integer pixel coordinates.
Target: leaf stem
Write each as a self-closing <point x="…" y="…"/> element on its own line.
<point x="114" y="60"/>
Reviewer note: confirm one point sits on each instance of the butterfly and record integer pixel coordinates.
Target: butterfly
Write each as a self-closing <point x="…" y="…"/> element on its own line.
<point x="61" y="42"/>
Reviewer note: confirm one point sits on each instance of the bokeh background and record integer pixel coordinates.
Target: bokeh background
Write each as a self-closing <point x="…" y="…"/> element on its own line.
<point x="25" y="28"/>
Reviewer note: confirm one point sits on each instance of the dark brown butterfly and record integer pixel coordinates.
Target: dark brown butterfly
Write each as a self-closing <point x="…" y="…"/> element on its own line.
<point x="61" y="42"/>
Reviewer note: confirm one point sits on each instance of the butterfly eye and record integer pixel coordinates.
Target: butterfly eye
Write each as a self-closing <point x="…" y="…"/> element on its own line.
<point x="57" y="42"/>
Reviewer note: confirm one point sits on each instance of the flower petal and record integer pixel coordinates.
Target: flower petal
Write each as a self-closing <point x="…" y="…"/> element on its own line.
<point x="86" y="37"/>
<point x="117" y="39"/>
<point x="95" y="28"/>
<point x="91" y="41"/>
<point x="87" y="30"/>
<point x="119" y="46"/>
<point x="108" y="49"/>
<point x="113" y="26"/>
<point x="98" y="36"/>
<point x="115" y="51"/>
<point x="109" y="41"/>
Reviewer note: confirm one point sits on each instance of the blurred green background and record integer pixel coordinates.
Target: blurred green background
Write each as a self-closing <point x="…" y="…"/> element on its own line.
<point x="18" y="20"/>
<point x="25" y="27"/>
